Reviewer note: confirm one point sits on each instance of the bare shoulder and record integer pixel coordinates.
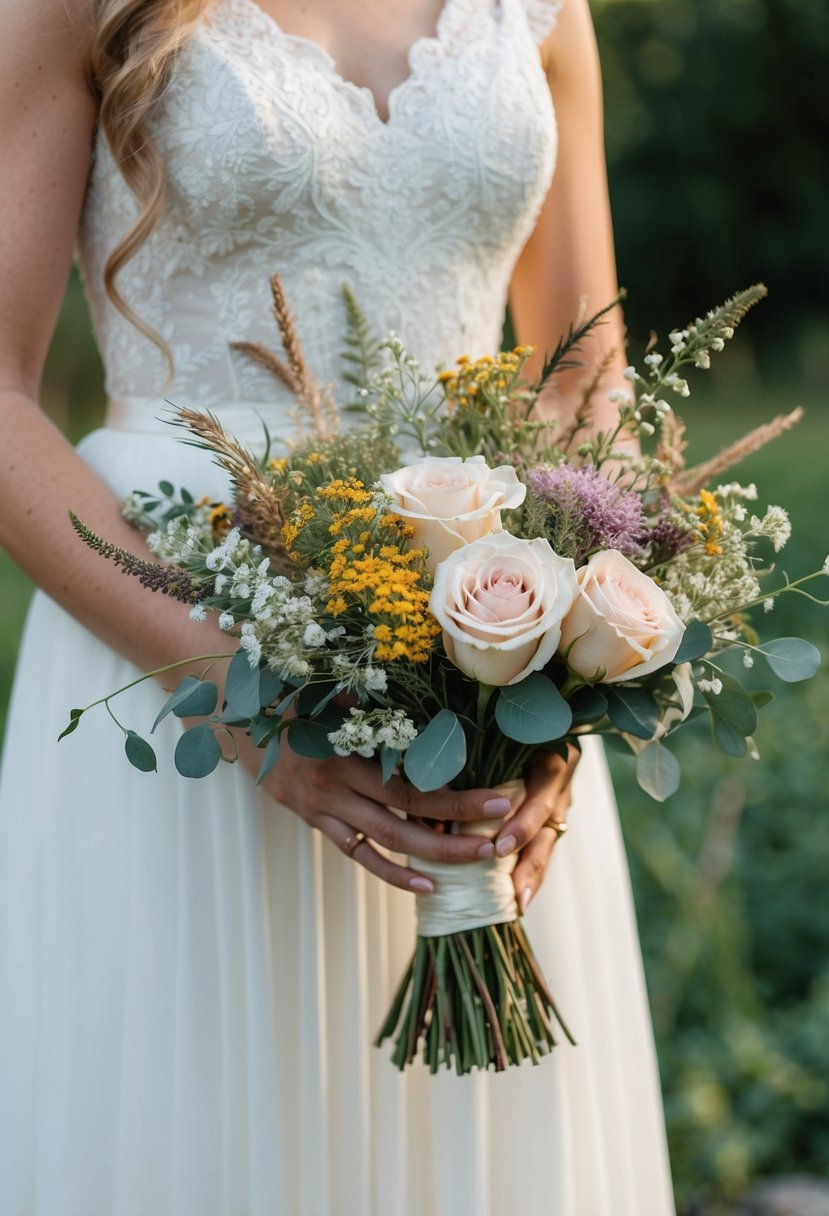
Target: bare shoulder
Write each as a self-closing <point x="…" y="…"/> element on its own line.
<point x="46" y="39"/>
<point x="569" y="50"/>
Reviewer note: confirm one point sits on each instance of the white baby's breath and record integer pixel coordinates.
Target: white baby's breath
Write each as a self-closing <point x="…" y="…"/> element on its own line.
<point x="364" y="732"/>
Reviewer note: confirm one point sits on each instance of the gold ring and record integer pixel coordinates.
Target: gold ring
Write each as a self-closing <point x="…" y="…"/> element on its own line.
<point x="559" y="826"/>
<point x="351" y="844"/>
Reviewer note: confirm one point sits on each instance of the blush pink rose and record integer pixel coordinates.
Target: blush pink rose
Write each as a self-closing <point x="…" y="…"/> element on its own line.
<point x="449" y="502"/>
<point x="621" y="625"/>
<point x="500" y="602"/>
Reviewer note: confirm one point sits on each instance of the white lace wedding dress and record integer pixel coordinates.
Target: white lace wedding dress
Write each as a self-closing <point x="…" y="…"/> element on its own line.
<point x="190" y="978"/>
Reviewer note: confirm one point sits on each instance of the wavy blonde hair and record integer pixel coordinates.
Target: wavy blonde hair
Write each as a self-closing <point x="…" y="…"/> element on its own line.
<point x="134" y="49"/>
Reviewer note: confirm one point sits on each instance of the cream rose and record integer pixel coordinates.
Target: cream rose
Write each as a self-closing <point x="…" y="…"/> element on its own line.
<point x="500" y="602"/>
<point x="449" y="502"/>
<point x="622" y="625"/>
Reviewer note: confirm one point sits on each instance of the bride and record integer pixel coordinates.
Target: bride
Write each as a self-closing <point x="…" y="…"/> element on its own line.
<point x="191" y="976"/>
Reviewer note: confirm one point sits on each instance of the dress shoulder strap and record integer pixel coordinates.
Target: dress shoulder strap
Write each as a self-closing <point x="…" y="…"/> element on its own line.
<point x="541" y="16"/>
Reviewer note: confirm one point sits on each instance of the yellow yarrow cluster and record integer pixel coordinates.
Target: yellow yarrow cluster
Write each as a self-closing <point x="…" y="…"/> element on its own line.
<point x="709" y="522"/>
<point x="388" y="584"/>
<point x="347" y="489"/>
<point x="487" y="374"/>
<point x="362" y="552"/>
<point x="299" y="519"/>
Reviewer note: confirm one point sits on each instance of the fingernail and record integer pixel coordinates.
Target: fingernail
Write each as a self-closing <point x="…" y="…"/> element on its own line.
<point x="505" y="845"/>
<point x="524" y="899"/>
<point x="487" y="850"/>
<point x="496" y="807"/>
<point x="422" y="884"/>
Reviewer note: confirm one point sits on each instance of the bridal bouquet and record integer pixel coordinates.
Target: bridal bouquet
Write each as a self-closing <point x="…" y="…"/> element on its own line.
<point x="510" y="588"/>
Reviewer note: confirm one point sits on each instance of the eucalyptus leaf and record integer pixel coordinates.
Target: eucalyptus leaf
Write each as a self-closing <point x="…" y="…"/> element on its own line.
<point x="139" y="753"/>
<point x="74" y="719"/>
<point x="242" y="686"/>
<point x="657" y="771"/>
<point x="634" y="711"/>
<point x="728" y="740"/>
<point x="791" y="659"/>
<point x="314" y="697"/>
<point x="263" y="728"/>
<point x="697" y="641"/>
<point x="201" y="701"/>
<point x="184" y="690"/>
<point x="270" y="686"/>
<point x="186" y="497"/>
<point x="167" y="488"/>
<point x="197" y="751"/>
<point x="269" y="759"/>
<point x="588" y="705"/>
<point x="733" y="706"/>
<point x="761" y="697"/>
<point x="309" y="738"/>
<point x="389" y="759"/>
<point x="438" y="753"/>
<point x="532" y="711"/>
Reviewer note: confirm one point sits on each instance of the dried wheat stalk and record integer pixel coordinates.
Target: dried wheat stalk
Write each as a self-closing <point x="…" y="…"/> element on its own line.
<point x="267" y="359"/>
<point x="311" y="399"/>
<point x="692" y="480"/>
<point x="259" y="506"/>
<point x="672" y="442"/>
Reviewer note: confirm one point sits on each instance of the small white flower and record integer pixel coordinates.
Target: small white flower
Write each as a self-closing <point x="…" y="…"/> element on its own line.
<point x="618" y="396"/>
<point x="717" y="344"/>
<point x="748" y="659"/>
<point x="713" y="686"/>
<point x="132" y="508"/>
<point x="678" y="385"/>
<point x="631" y="374"/>
<point x="198" y="613"/>
<point x="375" y="679"/>
<point x="314" y="635"/>
<point x="702" y="359"/>
<point x="776" y="525"/>
<point x="646" y="428"/>
<point x="768" y="604"/>
<point x="653" y="359"/>
<point x="739" y="512"/>
<point x="227" y="620"/>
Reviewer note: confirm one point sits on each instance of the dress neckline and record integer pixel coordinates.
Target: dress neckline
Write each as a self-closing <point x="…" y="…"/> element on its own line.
<point x="433" y="41"/>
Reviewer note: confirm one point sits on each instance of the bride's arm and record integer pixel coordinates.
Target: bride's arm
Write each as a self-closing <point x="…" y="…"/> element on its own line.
<point x="45" y="148"/>
<point x="568" y="265"/>
<point x="567" y="269"/>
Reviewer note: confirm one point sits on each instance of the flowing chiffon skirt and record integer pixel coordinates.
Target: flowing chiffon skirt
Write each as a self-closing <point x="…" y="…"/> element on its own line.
<point x="191" y="980"/>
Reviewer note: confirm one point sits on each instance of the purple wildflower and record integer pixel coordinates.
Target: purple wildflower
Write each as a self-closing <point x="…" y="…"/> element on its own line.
<point x="666" y="538"/>
<point x="586" y="512"/>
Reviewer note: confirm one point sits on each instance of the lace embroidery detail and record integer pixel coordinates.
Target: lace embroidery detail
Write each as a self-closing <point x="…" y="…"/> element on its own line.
<point x="542" y="16"/>
<point x="275" y="162"/>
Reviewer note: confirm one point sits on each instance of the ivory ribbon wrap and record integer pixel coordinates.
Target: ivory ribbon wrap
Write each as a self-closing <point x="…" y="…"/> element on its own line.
<point x="475" y="893"/>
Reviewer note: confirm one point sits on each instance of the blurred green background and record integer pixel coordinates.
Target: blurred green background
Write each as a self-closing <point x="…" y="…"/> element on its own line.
<point x="717" y="128"/>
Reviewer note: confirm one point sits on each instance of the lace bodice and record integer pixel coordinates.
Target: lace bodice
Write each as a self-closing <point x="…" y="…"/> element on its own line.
<point x="276" y="163"/>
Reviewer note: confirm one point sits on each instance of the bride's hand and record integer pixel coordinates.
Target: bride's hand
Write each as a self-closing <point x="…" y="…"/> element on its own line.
<point x="346" y="796"/>
<point x="548" y="800"/>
